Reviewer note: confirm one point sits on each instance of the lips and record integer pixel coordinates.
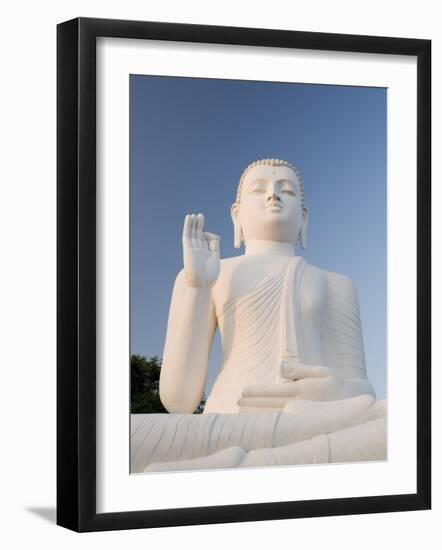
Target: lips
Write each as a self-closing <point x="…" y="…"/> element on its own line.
<point x="274" y="205"/>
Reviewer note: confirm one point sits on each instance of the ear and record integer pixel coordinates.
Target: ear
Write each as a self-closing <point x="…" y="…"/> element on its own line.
<point x="237" y="231"/>
<point x="303" y="231"/>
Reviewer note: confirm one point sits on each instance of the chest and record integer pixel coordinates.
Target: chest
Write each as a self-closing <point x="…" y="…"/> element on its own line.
<point x="257" y="281"/>
<point x="253" y="276"/>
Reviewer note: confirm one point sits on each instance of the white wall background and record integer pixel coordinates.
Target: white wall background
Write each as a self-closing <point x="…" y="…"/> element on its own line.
<point x="27" y="274"/>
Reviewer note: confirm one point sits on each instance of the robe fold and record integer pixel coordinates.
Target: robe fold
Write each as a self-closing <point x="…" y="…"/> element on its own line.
<point x="296" y="314"/>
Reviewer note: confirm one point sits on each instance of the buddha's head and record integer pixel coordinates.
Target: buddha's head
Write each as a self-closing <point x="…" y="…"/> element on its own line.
<point x="270" y="204"/>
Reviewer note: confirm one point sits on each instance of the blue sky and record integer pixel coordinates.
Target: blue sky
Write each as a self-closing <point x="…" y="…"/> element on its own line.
<point x="190" y="141"/>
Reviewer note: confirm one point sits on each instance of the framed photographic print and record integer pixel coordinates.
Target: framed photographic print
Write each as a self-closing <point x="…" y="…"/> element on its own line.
<point x="243" y="274"/>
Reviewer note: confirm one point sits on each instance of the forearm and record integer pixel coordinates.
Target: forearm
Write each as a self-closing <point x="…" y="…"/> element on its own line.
<point x="185" y="357"/>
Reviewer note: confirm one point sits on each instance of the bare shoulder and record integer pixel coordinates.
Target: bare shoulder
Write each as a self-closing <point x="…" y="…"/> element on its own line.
<point x="227" y="268"/>
<point x="228" y="264"/>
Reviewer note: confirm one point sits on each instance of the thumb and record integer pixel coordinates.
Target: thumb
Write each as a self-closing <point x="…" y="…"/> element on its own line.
<point x="213" y="242"/>
<point x="311" y="371"/>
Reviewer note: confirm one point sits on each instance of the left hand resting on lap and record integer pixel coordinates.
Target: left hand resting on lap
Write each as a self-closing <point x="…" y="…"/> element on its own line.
<point x="314" y="383"/>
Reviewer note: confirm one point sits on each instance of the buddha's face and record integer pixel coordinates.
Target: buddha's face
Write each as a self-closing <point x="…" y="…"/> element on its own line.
<point x="270" y="206"/>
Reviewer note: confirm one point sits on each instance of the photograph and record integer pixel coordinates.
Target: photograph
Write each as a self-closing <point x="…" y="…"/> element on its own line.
<point x="258" y="273"/>
<point x="221" y="262"/>
<point x="243" y="258"/>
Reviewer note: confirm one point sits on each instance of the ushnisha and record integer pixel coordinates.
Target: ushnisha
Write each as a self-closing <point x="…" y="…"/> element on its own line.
<point x="292" y="387"/>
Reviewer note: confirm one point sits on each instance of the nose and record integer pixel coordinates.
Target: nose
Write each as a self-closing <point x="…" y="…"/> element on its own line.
<point x="272" y="192"/>
<point x="272" y="197"/>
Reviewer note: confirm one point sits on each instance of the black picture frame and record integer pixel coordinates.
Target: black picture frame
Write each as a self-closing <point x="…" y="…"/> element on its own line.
<point x="77" y="287"/>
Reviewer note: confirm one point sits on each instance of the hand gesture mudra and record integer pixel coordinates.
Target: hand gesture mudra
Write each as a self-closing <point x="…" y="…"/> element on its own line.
<point x="200" y="253"/>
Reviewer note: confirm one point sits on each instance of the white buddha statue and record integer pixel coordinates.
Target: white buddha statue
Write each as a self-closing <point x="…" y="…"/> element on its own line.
<point x="292" y="387"/>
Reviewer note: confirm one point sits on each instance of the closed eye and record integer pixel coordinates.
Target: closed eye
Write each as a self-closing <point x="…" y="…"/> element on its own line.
<point x="288" y="192"/>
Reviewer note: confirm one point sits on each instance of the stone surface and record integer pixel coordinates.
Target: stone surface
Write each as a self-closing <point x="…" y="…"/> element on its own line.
<point x="292" y="387"/>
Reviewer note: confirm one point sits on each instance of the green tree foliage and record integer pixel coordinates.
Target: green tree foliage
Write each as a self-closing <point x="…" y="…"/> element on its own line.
<point x="144" y="386"/>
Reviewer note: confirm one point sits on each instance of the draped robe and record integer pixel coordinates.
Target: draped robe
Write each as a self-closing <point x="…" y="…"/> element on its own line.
<point x="297" y="313"/>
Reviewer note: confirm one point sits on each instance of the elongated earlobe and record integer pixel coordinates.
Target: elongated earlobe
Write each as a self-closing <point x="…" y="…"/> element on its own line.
<point x="303" y="231"/>
<point x="237" y="231"/>
<point x="237" y="235"/>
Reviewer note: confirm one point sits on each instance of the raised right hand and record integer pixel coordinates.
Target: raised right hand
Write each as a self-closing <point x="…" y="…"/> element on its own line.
<point x="200" y="253"/>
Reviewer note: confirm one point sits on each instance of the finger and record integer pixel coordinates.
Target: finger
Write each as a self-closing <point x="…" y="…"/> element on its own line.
<point x="307" y="371"/>
<point x="263" y="402"/>
<point x="286" y="389"/>
<point x="212" y="242"/>
<point x="186" y="230"/>
<point x="193" y="229"/>
<point x="199" y="228"/>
